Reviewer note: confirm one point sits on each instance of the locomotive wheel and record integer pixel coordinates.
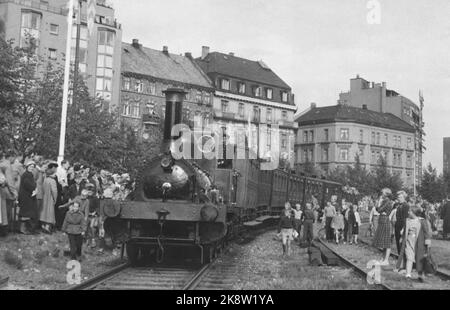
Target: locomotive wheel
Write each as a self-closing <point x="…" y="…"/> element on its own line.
<point x="132" y="253"/>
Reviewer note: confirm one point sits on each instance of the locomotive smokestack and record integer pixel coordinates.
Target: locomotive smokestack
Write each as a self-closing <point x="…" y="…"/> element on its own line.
<point x="174" y="110"/>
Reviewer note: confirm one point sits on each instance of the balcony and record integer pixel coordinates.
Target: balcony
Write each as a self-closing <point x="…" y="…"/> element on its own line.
<point x="225" y="115"/>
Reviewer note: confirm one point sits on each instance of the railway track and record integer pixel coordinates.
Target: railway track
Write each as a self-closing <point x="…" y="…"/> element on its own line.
<point x="363" y="273"/>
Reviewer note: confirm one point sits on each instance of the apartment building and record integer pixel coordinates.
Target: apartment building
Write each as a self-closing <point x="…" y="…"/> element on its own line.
<point x="332" y="136"/>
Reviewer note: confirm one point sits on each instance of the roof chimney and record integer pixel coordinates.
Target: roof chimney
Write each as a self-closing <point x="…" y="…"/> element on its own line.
<point x="231" y="54"/>
<point x="165" y="50"/>
<point x="188" y="55"/>
<point x="313" y="105"/>
<point x="364" y="106"/>
<point x="135" y="43"/>
<point x="205" y="51"/>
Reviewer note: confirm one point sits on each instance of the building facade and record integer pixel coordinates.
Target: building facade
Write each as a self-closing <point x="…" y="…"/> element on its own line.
<point x="249" y="92"/>
<point x="377" y="97"/>
<point x="446" y="166"/>
<point x="146" y="73"/>
<point x="331" y="137"/>
<point x="45" y="22"/>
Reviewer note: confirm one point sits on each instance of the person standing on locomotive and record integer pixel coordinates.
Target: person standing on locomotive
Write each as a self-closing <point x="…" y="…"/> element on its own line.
<point x="382" y="237"/>
<point x="286" y="228"/>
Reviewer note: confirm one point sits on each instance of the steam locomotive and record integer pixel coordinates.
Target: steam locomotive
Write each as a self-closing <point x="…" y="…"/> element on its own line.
<point x="170" y="212"/>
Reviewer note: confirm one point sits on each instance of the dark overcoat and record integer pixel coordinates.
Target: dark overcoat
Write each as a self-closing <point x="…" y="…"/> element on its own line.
<point x="27" y="202"/>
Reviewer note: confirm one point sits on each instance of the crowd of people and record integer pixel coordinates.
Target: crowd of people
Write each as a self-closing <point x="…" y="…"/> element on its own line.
<point x="44" y="197"/>
<point x="407" y="222"/>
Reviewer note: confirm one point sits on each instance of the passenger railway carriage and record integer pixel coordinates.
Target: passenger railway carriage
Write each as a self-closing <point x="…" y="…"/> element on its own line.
<point x="170" y="214"/>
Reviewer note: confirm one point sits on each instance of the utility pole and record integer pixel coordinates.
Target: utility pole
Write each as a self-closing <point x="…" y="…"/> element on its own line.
<point x="77" y="52"/>
<point x="62" y="137"/>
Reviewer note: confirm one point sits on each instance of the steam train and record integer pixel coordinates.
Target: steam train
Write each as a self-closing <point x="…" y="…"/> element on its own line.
<point x="170" y="214"/>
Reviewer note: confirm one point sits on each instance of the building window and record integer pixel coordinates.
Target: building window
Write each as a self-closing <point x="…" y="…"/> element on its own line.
<point x="269" y="93"/>
<point x="361" y="136"/>
<point x="207" y="99"/>
<point x="311" y="135"/>
<point x="126" y="109"/>
<point x="326" y="134"/>
<point x="378" y="138"/>
<point x="225" y="84"/>
<point x="311" y="155"/>
<point x="283" y="140"/>
<point x="408" y="143"/>
<point x="386" y="139"/>
<point x="305" y="136"/>
<point x="52" y="53"/>
<point x="241" y="88"/>
<point x="269" y="116"/>
<point x="284" y="115"/>
<point x="256" y="114"/>
<point x="152" y="88"/>
<point x="224" y="106"/>
<point x="82" y="50"/>
<point x="257" y="91"/>
<point x="284" y="96"/>
<point x="139" y="86"/>
<point x="30" y="30"/>
<point x="198" y="96"/>
<point x="343" y="154"/>
<point x="325" y="154"/>
<point x="269" y="138"/>
<point x="399" y="141"/>
<point x="105" y="51"/>
<point x="373" y="158"/>
<point x="135" y="109"/>
<point x="361" y="153"/>
<point x="372" y="138"/>
<point x="126" y="83"/>
<point x="305" y="155"/>
<point x="409" y="161"/>
<point x="345" y="135"/>
<point x="241" y="109"/>
<point x="54" y="29"/>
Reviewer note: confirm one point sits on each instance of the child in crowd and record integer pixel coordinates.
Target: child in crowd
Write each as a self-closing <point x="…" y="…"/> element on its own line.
<point x="354" y="221"/>
<point x="75" y="226"/>
<point x="337" y="224"/>
<point x="286" y="228"/>
<point x="298" y="219"/>
<point x="93" y="214"/>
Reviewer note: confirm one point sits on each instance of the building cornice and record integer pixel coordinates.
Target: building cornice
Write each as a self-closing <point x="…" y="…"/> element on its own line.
<point x="250" y="100"/>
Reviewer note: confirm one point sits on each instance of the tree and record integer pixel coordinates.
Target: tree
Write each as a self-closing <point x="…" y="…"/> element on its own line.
<point x="432" y="188"/>
<point x="383" y="178"/>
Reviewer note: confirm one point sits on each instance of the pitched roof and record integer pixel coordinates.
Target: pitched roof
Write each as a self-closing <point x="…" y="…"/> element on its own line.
<point x="344" y="113"/>
<point x="242" y="68"/>
<point x="157" y="64"/>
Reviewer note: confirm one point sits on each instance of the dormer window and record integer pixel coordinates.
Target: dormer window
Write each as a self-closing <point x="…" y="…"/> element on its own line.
<point x="269" y="93"/>
<point x="241" y="88"/>
<point x="225" y="84"/>
<point x="257" y="91"/>
<point x="284" y="96"/>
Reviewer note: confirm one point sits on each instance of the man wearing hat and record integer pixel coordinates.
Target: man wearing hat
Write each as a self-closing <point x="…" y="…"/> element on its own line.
<point x="27" y="200"/>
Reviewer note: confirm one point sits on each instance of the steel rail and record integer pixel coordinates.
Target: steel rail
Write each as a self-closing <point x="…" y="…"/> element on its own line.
<point x="92" y="282"/>
<point x="349" y="263"/>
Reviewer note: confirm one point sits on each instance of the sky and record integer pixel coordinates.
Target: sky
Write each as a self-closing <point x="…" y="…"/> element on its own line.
<point x="316" y="46"/>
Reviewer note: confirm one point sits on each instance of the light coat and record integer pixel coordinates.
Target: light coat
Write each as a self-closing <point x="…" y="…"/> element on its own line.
<point x="50" y="195"/>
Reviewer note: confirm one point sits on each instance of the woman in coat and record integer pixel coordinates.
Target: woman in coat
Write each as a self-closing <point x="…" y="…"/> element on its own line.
<point x="6" y="192"/>
<point x="49" y="198"/>
<point x="416" y="240"/>
<point x="27" y="199"/>
<point x="382" y="237"/>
